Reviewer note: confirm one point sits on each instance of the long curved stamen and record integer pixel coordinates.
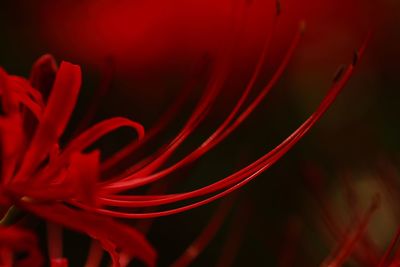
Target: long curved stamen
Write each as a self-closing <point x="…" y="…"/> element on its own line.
<point x="240" y="178"/>
<point x="215" y="85"/>
<point x="153" y="162"/>
<point x="160" y="125"/>
<point x="220" y="133"/>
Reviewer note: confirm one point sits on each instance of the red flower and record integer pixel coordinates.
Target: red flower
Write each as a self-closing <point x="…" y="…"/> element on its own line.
<point x="41" y="178"/>
<point x="61" y="183"/>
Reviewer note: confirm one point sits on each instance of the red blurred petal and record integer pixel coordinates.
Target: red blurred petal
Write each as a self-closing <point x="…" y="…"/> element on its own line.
<point x="113" y="236"/>
<point x="20" y="240"/>
<point x="56" y="115"/>
<point x="85" y="171"/>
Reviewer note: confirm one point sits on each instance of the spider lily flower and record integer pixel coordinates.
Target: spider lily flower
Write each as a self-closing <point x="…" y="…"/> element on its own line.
<point x="61" y="183"/>
<point x="39" y="177"/>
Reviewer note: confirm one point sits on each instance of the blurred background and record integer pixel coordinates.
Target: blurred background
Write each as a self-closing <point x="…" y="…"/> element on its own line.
<point x="144" y="51"/>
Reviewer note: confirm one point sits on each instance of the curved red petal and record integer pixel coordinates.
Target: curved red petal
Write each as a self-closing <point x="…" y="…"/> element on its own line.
<point x="108" y="232"/>
<point x="55" y="118"/>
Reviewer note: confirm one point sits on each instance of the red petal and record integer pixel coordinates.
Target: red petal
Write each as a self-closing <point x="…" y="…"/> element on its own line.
<point x="9" y="101"/>
<point x="85" y="171"/>
<point x="43" y="74"/>
<point x="12" y="139"/>
<point x="86" y="139"/>
<point x="59" y="262"/>
<point x="110" y="234"/>
<point x="20" y="240"/>
<point x="55" y="118"/>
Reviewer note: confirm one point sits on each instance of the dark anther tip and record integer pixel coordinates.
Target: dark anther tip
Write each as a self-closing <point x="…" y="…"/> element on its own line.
<point x="356" y="57"/>
<point x="338" y="74"/>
